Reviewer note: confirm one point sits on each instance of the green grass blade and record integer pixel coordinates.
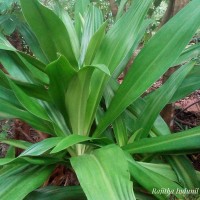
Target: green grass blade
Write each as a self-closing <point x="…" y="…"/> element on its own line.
<point x="140" y="34"/>
<point x="119" y="125"/>
<point x="8" y="95"/>
<point x="120" y="130"/>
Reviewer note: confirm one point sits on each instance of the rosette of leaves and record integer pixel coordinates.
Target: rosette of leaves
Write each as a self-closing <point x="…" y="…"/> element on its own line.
<point x="112" y="137"/>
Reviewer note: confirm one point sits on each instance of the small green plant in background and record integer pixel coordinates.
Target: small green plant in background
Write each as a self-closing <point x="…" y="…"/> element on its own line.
<point x="112" y="137"/>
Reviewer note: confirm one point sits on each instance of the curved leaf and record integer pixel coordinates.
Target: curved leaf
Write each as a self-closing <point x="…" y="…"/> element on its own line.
<point x="104" y="171"/>
<point x="184" y="170"/>
<point x="16" y="143"/>
<point x="182" y="143"/>
<point x="69" y="141"/>
<point x="156" y="101"/>
<point x="93" y="20"/>
<point x="60" y="74"/>
<point x="152" y="181"/>
<point x="94" y="44"/>
<point x="58" y="193"/>
<point x="13" y="181"/>
<point x="189" y="84"/>
<point x="40" y="148"/>
<point x="81" y="8"/>
<point x="49" y="30"/>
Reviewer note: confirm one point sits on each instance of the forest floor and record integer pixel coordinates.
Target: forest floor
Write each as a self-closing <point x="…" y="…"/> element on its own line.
<point x="187" y="115"/>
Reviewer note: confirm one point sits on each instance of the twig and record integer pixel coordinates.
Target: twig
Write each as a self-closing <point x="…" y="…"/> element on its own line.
<point x="187" y="107"/>
<point x="26" y="135"/>
<point x="183" y="122"/>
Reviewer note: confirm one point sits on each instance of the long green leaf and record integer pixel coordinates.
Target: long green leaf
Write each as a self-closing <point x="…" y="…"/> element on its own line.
<point x="30" y="160"/>
<point x="121" y="9"/>
<point x="105" y="173"/>
<point x="4" y="44"/>
<point x="34" y="90"/>
<point x="94" y="44"/>
<point x="156" y="101"/>
<point x="120" y="38"/>
<point x="76" y="98"/>
<point x="69" y="141"/>
<point x="189" y="84"/>
<point x="8" y="95"/>
<point x="52" y="40"/>
<point x="41" y="147"/>
<point x="140" y="34"/>
<point x="119" y="125"/>
<point x="22" y="180"/>
<point x="184" y="170"/>
<point x="69" y="25"/>
<point x="29" y="103"/>
<point x="154" y="59"/>
<point x="162" y="169"/>
<point x="116" y="48"/>
<point x="188" y="54"/>
<point x="13" y="65"/>
<point x="183" y="142"/>
<point x="93" y="21"/>
<point x="8" y="110"/>
<point x="60" y="74"/>
<point x="23" y="68"/>
<point x="32" y="42"/>
<point x="16" y="143"/>
<point x="160" y="127"/>
<point x="81" y="8"/>
<point x="152" y="181"/>
<point x="58" y="193"/>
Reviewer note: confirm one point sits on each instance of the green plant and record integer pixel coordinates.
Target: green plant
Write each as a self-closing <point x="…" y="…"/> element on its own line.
<point x="104" y="131"/>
